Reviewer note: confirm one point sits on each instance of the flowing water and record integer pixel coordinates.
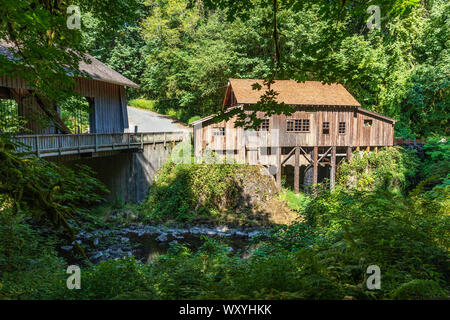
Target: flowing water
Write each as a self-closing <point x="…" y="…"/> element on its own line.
<point x="145" y="242"/>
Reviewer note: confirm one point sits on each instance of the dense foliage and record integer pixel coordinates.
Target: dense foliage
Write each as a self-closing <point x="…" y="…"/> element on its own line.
<point x="323" y="256"/>
<point x="44" y="191"/>
<point x="182" y="53"/>
<point x="389" y="209"/>
<point x="373" y="221"/>
<point x="45" y="48"/>
<point x="390" y="170"/>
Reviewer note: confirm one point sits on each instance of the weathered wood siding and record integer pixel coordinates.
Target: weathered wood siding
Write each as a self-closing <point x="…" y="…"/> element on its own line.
<point x="109" y="103"/>
<point x="251" y="150"/>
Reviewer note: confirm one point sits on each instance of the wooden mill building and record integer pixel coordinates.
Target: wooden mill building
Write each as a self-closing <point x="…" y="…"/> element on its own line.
<point x="327" y="126"/>
<point x="102" y="87"/>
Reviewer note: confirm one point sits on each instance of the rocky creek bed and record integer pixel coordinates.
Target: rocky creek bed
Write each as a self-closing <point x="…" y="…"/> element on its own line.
<point x="145" y="241"/>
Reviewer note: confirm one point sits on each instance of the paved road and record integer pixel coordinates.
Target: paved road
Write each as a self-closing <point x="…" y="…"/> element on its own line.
<point x="148" y="121"/>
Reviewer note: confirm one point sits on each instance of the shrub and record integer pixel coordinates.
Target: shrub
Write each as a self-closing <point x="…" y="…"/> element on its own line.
<point x="193" y="119"/>
<point x="437" y="160"/>
<point x="297" y="202"/>
<point x="111" y="279"/>
<point x="389" y="169"/>
<point x="29" y="266"/>
<point x="419" y="289"/>
<point x="143" y="103"/>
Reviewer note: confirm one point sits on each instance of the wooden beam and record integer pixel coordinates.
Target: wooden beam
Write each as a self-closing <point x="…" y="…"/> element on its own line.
<point x="333" y="168"/>
<point x="315" y="165"/>
<point x="288" y="155"/>
<point x="279" y="168"/>
<point x="52" y="114"/>
<point x="305" y="155"/>
<point x="349" y="154"/>
<point x="297" y="170"/>
<point x="324" y="155"/>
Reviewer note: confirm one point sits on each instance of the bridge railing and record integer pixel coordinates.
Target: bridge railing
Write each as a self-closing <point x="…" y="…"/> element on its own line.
<point x="403" y="140"/>
<point x="46" y="145"/>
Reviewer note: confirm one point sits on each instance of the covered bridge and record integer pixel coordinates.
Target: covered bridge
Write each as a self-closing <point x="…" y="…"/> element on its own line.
<point x="103" y="88"/>
<point x="125" y="161"/>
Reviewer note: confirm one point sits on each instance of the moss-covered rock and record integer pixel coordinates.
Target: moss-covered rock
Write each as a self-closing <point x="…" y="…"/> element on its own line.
<point x="215" y="193"/>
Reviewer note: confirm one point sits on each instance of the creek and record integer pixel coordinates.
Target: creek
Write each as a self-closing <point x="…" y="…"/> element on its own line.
<point x="145" y="242"/>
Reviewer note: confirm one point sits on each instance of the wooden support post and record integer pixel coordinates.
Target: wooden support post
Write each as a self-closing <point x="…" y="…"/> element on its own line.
<point x="333" y="167"/>
<point x="315" y="165"/>
<point x="376" y="149"/>
<point x="368" y="149"/>
<point x="357" y="148"/>
<point x="349" y="154"/>
<point x="297" y="170"/>
<point x="279" y="168"/>
<point x="38" y="153"/>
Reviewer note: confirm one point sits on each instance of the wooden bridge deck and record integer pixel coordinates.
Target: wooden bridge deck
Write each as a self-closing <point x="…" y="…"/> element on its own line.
<point x="48" y="145"/>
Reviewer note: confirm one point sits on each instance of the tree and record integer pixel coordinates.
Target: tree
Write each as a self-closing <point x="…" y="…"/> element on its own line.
<point x="44" y="47"/>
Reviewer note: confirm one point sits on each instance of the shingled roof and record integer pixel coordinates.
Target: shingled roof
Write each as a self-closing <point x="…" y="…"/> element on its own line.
<point x="294" y="93"/>
<point x="97" y="69"/>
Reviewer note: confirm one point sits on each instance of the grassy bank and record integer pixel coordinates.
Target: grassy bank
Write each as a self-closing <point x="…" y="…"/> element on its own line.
<point x="152" y="105"/>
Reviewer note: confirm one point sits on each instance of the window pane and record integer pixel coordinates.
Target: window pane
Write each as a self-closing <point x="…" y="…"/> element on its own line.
<point x="264" y="125"/>
<point x="290" y="125"/>
<point x="297" y="125"/>
<point x="305" y="127"/>
<point x="326" y="127"/>
<point x="219" y="132"/>
<point x="341" y="127"/>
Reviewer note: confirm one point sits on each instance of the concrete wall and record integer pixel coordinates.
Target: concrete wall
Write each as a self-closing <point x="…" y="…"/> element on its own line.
<point x="128" y="175"/>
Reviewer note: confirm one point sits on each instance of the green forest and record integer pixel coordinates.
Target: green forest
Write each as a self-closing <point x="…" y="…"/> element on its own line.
<point x="389" y="208"/>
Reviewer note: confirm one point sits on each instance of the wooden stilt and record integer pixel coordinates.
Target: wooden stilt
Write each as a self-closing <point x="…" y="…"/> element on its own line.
<point x="279" y="168"/>
<point x="357" y="148"/>
<point x="333" y="168"/>
<point x="376" y="149"/>
<point x="315" y="165"/>
<point x="349" y="154"/>
<point x="297" y="170"/>
<point x="368" y="149"/>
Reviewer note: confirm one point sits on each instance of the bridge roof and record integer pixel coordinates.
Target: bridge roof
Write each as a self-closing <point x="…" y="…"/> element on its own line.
<point x="96" y="69"/>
